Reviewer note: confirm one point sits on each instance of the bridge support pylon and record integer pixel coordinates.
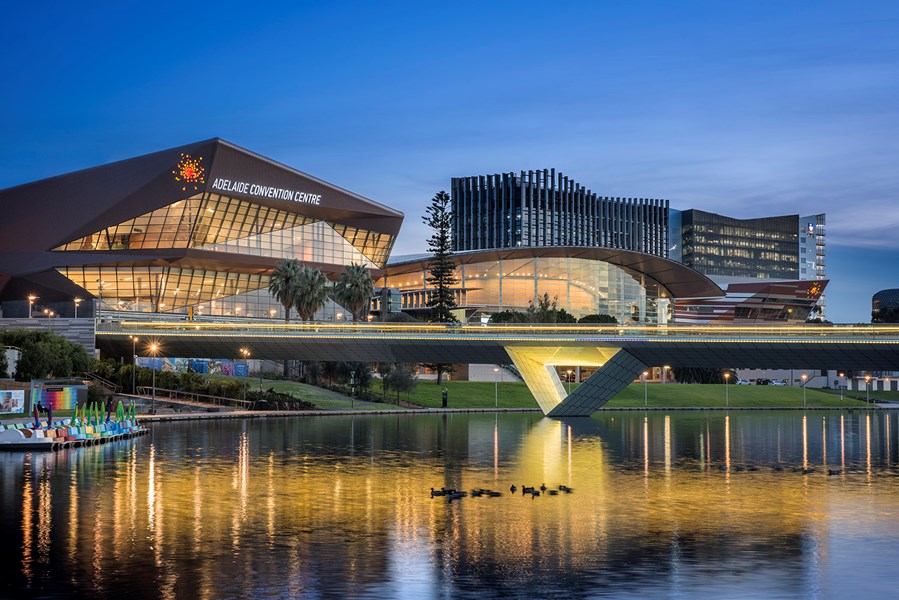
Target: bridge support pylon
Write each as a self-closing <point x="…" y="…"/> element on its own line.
<point x="615" y="369"/>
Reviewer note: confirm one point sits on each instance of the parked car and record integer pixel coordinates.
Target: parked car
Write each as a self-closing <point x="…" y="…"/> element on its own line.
<point x="762" y="381"/>
<point x="778" y="382"/>
<point x="742" y="382"/>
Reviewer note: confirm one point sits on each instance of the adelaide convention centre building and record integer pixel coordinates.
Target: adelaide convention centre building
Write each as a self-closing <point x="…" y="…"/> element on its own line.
<point x="194" y="229"/>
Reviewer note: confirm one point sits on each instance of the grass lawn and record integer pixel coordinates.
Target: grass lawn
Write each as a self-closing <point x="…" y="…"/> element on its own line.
<point x="480" y="394"/>
<point x="320" y="397"/>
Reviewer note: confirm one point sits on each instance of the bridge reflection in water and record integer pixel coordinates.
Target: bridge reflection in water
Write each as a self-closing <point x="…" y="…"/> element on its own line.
<point x="701" y="503"/>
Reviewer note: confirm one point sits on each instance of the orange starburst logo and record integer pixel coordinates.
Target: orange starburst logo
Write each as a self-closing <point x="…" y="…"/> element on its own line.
<point x="190" y="172"/>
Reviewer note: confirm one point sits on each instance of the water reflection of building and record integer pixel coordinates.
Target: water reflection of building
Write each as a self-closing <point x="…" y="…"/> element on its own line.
<point x="338" y="505"/>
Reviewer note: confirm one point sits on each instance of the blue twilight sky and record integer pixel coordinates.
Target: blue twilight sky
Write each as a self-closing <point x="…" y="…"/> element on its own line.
<point x="745" y="108"/>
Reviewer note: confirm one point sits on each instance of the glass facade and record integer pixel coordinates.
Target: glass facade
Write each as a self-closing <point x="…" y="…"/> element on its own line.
<point x="716" y="245"/>
<point x="227" y="226"/>
<point x="582" y="286"/>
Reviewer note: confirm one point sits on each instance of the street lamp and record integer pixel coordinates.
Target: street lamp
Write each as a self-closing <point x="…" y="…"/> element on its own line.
<point x="353" y="389"/>
<point x="496" y="386"/>
<point x="842" y="383"/>
<point x="569" y="372"/>
<point x="726" y="391"/>
<point x="868" y="389"/>
<point x="31" y="299"/>
<point x="153" y="350"/>
<point x="804" y="377"/>
<point x="645" y="395"/>
<point x="246" y="361"/>
<point x="134" y="341"/>
<point x="77" y="301"/>
<point x="49" y="315"/>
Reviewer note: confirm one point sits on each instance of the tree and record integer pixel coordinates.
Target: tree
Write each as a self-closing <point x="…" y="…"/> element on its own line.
<point x="4" y="363"/>
<point x="546" y="310"/>
<point x="441" y="268"/>
<point x="702" y="375"/>
<point x="354" y="289"/>
<point x="311" y="292"/>
<point x="282" y="284"/>
<point x="399" y="377"/>
<point x="509" y="316"/>
<point x="885" y="314"/>
<point x="598" y="318"/>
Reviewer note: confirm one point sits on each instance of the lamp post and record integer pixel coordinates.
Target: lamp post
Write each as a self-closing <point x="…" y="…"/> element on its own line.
<point x="154" y="351"/>
<point x="569" y="372"/>
<point x="842" y="383"/>
<point x="245" y="352"/>
<point x="645" y="394"/>
<point x="77" y="301"/>
<point x="134" y="341"/>
<point x="49" y="314"/>
<point x="868" y="389"/>
<point x="353" y="389"/>
<point x="31" y="299"/>
<point x="726" y="391"/>
<point x="804" y="377"/>
<point x="99" y="298"/>
<point x="496" y="387"/>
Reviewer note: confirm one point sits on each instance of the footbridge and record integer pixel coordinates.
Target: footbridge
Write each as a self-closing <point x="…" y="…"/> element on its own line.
<point x="619" y="354"/>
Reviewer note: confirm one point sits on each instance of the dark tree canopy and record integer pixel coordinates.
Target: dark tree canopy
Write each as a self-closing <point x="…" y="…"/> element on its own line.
<point x="598" y="318"/>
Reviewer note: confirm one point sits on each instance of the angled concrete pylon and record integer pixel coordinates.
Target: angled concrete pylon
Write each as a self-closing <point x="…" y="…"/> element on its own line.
<point x="536" y="364"/>
<point x="600" y="387"/>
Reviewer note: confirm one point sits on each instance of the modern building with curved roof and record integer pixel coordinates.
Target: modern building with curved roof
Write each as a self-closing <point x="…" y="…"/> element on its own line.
<point x="193" y="228"/>
<point x="630" y="286"/>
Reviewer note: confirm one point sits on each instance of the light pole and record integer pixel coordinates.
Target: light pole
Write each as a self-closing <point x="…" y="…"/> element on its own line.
<point x="804" y="377"/>
<point x="246" y="362"/>
<point x="77" y="301"/>
<point x="645" y="394"/>
<point x="31" y="299"/>
<point x="569" y="372"/>
<point x="154" y="351"/>
<point x="134" y="341"/>
<point x="99" y="298"/>
<point x="726" y="391"/>
<point x="49" y="314"/>
<point x="496" y="386"/>
<point x="352" y="389"/>
<point x="842" y="383"/>
<point x="868" y="389"/>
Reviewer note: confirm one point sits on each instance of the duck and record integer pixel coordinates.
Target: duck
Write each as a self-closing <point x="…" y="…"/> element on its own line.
<point x="542" y="487"/>
<point x="565" y="488"/>
<point x="553" y="492"/>
<point x="440" y="492"/>
<point x="513" y="489"/>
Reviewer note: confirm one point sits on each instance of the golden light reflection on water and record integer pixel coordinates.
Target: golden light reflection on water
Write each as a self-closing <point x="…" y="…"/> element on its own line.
<point x="276" y="503"/>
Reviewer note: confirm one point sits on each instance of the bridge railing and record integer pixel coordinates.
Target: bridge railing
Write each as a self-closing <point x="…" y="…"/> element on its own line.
<point x="272" y="327"/>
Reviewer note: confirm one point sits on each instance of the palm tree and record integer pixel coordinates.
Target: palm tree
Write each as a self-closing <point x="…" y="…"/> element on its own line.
<point x="282" y="283"/>
<point x="354" y="289"/>
<point x="312" y="292"/>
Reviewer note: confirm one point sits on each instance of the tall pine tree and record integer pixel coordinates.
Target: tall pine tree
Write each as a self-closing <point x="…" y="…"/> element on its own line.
<point x="441" y="268"/>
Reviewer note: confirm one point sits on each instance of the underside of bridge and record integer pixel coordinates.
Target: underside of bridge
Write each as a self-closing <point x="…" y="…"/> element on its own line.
<point x="615" y="369"/>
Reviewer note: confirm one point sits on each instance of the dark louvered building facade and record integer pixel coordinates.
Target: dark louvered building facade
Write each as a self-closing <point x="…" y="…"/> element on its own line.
<point x="545" y="208"/>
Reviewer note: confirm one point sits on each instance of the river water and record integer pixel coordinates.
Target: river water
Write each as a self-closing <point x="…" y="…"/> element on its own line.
<point x="665" y="505"/>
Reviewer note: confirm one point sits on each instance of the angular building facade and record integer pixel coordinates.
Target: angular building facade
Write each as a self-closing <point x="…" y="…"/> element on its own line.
<point x="191" y="229"/>
<point x="544" y="208"/>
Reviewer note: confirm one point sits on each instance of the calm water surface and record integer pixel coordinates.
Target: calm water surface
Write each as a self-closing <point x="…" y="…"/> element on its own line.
<point x="679" y="505"/>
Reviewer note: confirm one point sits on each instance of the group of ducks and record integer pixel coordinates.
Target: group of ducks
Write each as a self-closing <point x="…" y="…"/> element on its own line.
<point x="453" y="494"/>
<point x="456" y="494"/>
<point x="534" y="492"/>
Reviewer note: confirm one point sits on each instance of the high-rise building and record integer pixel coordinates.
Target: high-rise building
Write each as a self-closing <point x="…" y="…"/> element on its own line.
<point x="544" y="208"/>
<point x="729" y="249"/>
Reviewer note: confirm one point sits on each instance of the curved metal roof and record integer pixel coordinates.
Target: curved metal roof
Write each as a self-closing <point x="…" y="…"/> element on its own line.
<point x="679" y="280"/>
